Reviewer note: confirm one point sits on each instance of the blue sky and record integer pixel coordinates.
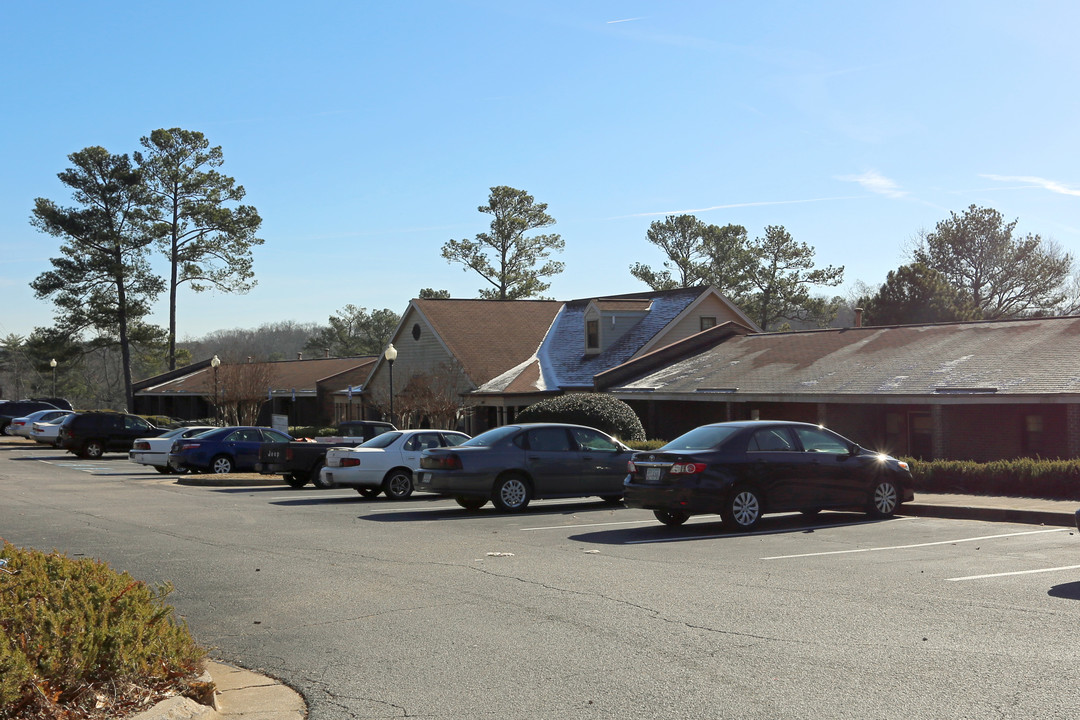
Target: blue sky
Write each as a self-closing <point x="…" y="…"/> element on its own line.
<point x="367" y="134"/>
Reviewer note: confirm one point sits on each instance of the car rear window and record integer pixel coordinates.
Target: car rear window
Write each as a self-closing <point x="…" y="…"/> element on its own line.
<point x="491" y="437"/>
<point x="706" y="437"/>
<point x="381" y="441"/>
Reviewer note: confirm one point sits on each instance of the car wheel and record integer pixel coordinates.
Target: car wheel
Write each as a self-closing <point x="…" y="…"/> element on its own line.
<point x="318" y="479"/>
<point x="884" y="499"/>
<point x="511" y="493"/>
<point x="221" y="465"/>
<point x="398" y="484"/>
<point x="296" y="480"/>
<point x="671" y="518"/>
<point x="163" y="469"/>
<point x="93" y="449"/>
<point x="369" y="492"/>
<point x="742" y="511"/>
<point x="470" y="503"/>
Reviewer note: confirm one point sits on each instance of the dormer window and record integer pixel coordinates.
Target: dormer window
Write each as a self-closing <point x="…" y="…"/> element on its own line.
<point x="592" y="336"/>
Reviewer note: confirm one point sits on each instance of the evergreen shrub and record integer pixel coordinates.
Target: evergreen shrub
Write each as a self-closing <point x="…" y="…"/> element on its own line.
<point x="77" y="637"/>
<point x="603" y="412"/>
<point x="1019" y="477"/>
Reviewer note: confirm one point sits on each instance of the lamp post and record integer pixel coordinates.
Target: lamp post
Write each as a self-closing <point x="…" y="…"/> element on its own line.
<point x="52" y="364"/>
<point x="391" y="356"/>
<point x="214" y="363"/>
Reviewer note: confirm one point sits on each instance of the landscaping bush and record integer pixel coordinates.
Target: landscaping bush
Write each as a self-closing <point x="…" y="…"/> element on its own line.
<point x="1020" y="477"/>
<point x="597" y="410"/>
<point x="79" y="640"/>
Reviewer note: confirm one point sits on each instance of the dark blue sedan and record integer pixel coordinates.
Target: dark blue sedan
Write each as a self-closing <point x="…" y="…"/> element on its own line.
<point x="743" y="470"/>
<point x="225" y="450"/>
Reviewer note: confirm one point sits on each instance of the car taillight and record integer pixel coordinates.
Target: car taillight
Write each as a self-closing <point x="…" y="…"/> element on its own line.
<point x="349" y="462"/>
<point x="687" y="468"/>
<point x="631" y="467"/>
<point x="288" y="454"/>
<point x="142" y="446"/>
<point x="443" y="462"/>
<point x="188" y="446"/>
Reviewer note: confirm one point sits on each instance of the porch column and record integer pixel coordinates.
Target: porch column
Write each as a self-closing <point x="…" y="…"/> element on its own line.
<point x="937" y="430"/>
<point x="1072" y="430"/>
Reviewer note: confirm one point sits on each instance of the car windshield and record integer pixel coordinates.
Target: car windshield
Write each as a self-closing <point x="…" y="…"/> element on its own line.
<point x="173" y="433"/>
<point x="705" y="437"/>
<point x="381" y="441"/>
<point x="491" y="437"/>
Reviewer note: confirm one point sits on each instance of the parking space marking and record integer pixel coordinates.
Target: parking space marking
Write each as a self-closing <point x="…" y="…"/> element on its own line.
<point x="916" y="545"/>
<point x="1015" y="572"/>
<point x="648" y="521"/>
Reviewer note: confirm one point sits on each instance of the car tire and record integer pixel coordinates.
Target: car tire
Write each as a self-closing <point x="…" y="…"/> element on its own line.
<point x="612" y="499"/>
<point x="164" y="469"/>
<point x="884" y="499"/>
<point x="742" y="510"/>
<point x="398" y="484"/>
<point x="511" y="493"/>
<point x="296" y="480"/>
<point x="316" y="477"/>
<point x="671" y="518"/>
<point x="470" y="503"/>
<point x="369" y="492"/>
<point x="221" y="465"/>
<point x="93" y="449"/>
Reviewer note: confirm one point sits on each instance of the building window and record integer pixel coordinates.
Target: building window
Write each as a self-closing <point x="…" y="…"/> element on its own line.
<point x="1033" y="435"/>
<point x="416" y="331"/>
<point x="592" y="334"/>
<point x="707" y="322"/>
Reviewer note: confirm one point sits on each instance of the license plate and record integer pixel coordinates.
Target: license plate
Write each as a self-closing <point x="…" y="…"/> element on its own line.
<point x="652" y="474"/>
<point x="424" y="478"/>
<point x="330" y="477"/>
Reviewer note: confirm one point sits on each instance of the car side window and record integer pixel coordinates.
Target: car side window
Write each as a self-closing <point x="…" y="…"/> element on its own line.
<point x="274" y="436"/>
<point x="815" y="440"/>
<point x="414" y="444"/>
<point x="135" y="423"/>
<point x="452" y="439"/>
<point x="548" y="440"/>
<point x="592" y="440"/>
<point x="770" y="440"/>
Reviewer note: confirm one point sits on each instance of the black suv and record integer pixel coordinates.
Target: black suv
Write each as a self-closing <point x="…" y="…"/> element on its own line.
<point x="90" y="434"/>
<point x="20" y="408"/>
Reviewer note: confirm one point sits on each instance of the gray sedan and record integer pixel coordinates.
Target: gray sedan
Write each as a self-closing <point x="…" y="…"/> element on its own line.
<point x="513" y="464"/>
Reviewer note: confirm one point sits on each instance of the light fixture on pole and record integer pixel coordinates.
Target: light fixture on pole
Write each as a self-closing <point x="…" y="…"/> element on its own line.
<point x="214" y="363"/>
<point x="52" y="364"/>
<point x="391" y="356"/>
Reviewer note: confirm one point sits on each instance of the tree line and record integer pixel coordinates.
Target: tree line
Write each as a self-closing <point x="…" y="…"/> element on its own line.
<point x="171" y="198"/>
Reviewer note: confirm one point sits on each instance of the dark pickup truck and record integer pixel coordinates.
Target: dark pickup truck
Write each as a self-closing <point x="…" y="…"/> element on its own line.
<point x="300" y="461"/>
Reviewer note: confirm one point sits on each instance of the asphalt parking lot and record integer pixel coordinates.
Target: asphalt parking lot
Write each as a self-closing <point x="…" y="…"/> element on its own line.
<point x="374" y="608"/>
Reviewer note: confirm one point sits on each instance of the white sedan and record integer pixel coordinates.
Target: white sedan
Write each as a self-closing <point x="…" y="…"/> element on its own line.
<point x="386" y="463"/>
<point x="155" y="450"/>
<point x="24" y="426"/>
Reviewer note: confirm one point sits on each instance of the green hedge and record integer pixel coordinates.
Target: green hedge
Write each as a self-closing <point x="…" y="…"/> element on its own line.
<point x="1021" y="477"/>
<point x="75" y="634"/>
<point x="597" y="410"/>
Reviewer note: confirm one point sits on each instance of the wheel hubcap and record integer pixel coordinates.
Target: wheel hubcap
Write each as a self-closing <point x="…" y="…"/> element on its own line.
<point x="513" y="493"/>
<point x="745" y="508"/>
<point x="399" y="485"/>
<point x="885" y="497"/>
<point x="221" y="467"/>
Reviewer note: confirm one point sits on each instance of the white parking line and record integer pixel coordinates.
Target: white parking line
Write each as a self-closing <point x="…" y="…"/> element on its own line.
<point x="1016" y="572"/>
<point x="650" y="521"/>
<point x="915" y="545"/>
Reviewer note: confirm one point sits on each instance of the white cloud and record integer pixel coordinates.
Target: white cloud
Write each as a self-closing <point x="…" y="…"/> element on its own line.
<point x="612" y="22"/>
<point x="876" y="183"/>
<point x="1051" y="185"/>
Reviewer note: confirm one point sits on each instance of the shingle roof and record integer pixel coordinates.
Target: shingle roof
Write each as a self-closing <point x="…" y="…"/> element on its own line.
<point x="303" y="375"/>
<point x="488" y="337"/>
<point x="562" y="354"/>
<point x="1012" y="357"/>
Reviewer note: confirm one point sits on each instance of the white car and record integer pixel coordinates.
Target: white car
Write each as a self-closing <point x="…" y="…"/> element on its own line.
<point x="24" y="426"/>
<point x="386" y="463"/>
<point x="154" y="451"/>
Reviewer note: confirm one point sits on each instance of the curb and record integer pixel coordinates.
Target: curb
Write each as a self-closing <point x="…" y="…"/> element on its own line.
<point x="240" y="695"/>
<point x="990" y="514"/>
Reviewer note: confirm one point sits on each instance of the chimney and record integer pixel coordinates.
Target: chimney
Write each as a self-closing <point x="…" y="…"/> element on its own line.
<point x="251" y="359"/>
<point x="326" y="352"/>
<point x="299" y="356"/>
<point x="858" y="317"/>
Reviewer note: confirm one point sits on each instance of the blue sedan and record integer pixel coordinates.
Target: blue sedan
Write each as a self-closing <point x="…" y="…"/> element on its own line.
<point x="225" y="450"/>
